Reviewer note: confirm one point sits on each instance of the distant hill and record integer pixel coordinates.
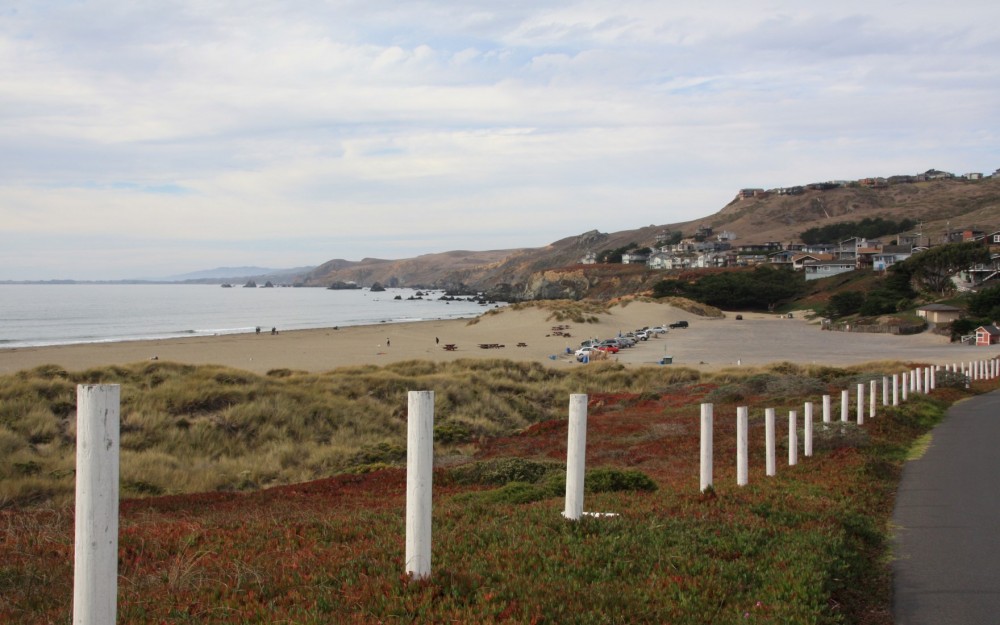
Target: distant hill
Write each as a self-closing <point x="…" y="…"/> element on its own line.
<point x="233" y="274"/>
<point x="936" y="205"/>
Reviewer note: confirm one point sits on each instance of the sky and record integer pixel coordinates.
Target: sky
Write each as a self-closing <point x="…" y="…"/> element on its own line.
<point x="146" y="139"/>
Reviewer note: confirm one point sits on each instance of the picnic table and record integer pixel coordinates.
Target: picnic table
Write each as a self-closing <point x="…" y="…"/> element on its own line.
<point x="491" y="346"/>
<point x="450" y="347"/>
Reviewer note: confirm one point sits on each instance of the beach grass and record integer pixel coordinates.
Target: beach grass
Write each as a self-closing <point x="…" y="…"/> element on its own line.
<point x="808" y="546"/>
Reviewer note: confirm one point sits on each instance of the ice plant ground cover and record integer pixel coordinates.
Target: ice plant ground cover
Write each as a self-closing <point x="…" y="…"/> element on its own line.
<point x="807" y="546"/>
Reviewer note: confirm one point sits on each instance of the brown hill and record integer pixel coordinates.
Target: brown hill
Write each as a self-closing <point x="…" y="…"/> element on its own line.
<point x="938" y="205"/>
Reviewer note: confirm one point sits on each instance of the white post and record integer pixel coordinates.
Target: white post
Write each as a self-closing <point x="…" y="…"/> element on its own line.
<point x="419" y="482"/>
<point x="742" y="459"/>
<point x="873" y="391"/>
<point x="826" y="409"/>
<point x="933" y="381"/>
<point x="845" y="406"/>
<point x="885" y="390"/>
<point x="95" y="562"/>
<point x="808" y="429"/>
<point x="861" y="403"/>
<point x="707" y="413"/>
<point x="793" y="438"/>
<point x="918" y="377"/>
<point x="770" y="465"/>
<point x="895" y="389"/>
<point x="906" y="384"/>
<point x="576" y="456"/>
<point x="927" y="379"/>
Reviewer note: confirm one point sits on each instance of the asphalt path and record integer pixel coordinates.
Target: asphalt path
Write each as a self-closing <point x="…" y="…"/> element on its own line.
<point x="946" y="566"/>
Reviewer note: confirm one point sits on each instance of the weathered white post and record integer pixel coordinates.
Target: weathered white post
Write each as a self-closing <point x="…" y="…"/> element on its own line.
<point x="918" y="376"/>
<point x="895" y="389"/>
<point x="576" y="455"/>
<point x="905" y="384"/>
<point x="807" y="430"/>
<point x="933" y="380"/>
<point x="707" y="413"/>
<point x="419" y="482"/>
<point x="826" y="409"/>
<point x="770" y="465"/>
<point x="845" y="406"/>
<point x="927" y="379"/>
<point x="861" y="403"/>
<point x="742" y="452"/>
<point x="885" y="390"/>
<point x="95" y="561"/>
<point x="793" y="438"/>
<point x="873" y="391"/>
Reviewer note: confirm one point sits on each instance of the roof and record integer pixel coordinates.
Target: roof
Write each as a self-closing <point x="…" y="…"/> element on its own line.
<point x="990" y="329"/>
<point x="940" y="308"/>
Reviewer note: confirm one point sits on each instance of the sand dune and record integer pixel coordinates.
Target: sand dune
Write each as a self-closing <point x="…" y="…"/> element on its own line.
<point x="707" y="344"/>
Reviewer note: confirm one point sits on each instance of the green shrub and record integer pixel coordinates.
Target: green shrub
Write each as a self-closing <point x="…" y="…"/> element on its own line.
<point x="615" y="480"/>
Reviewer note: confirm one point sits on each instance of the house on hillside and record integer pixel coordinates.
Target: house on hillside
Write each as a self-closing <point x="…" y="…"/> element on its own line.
<point x="987" y="335"/>
<point x="781" y="259"/>
<point x="635" y="258"/>
<point x="939" y="313"/>
<point x="799" y="261"/>
<point x="825" y="269"/>
<point x="590" y="258"/>
<point x="890" y="255"/>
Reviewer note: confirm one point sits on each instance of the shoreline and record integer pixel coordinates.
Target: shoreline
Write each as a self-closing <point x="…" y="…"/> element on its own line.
<point x="709" y="344"/>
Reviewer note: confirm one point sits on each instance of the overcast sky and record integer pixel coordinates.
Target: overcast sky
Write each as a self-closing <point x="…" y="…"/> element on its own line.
<point x="142" y="139"/>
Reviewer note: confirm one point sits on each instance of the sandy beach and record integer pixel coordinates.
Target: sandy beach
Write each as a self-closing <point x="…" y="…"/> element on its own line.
<point x="707" y="344"/>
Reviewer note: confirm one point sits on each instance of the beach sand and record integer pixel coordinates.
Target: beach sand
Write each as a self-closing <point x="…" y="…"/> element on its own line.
<point x="708" y="344"/>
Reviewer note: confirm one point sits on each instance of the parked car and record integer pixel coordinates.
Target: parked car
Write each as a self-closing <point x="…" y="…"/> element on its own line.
<point x="658" y="330"/>
<point x="739" y="317"/>
<point x="609" y="346"/>
<point x="679" y="324"/>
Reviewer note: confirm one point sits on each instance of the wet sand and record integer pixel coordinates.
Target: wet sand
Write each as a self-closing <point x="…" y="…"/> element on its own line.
<point x="708" y="344"/>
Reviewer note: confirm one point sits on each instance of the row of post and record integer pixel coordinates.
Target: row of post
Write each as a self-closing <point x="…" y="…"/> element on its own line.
<point x="896" y="388"/>
<point x="95" y="579"/>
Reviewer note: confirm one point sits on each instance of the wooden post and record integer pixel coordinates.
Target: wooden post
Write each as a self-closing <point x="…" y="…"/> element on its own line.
<point x="826" y="409"/>
<point x="906" y="384"/>
<point x="885" y="390"/>
<point x="95" y="561"/>
<point x="576" y="456"/>
<point x="770" y="465"/>
<point x="927" y="379"/>
<point x="808" y="430"/>
<point x="845" y="406"/>
<point x="895" y="389"/>
<point x="419" y="482"/>
<point x="793" y="438"/>
<point x="742" y="451"/>
<point x="918" y="377"/>
<point x="707" y="415"/>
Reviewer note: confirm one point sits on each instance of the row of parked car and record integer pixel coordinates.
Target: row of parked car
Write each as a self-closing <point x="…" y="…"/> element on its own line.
<point x="625" y="341"/>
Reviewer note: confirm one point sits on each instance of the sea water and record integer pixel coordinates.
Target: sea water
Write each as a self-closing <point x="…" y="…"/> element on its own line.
<point x="62" y="314"/>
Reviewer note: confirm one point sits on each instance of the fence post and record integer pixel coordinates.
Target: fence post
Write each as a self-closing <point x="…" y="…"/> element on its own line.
<point x="918" y="377"/>
<point x="807" y="430"/>
<point x="861" y="403"/>
<point x="793" y="438"/>
<point x="845" y="406"/>
<point x="905" y="385"/>
<point x="576" y="456"/>
<point x="742" y="458"/>
<point x="895" y="389"/>
<point x="927" y="379"/>
<point x="770" y="465"/>
<point x="872" y="393"/>
<point x="885" y="390"/>
<point x="419" y="481"/>
<point x="826" y="409"/>
<point x="95" y="559"/>
<point x="707" y="414"/>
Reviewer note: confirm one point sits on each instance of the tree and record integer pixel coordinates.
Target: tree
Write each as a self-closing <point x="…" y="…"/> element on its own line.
<point x="986" y="304"/>
<point x="932" y="270"/>
<point x="845" y="303"/>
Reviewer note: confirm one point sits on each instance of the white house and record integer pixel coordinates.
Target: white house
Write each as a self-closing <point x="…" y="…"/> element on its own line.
<point x="827" y="268"/>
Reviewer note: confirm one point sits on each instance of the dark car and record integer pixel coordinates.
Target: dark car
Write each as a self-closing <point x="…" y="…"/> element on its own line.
<point x="679" y="324"/>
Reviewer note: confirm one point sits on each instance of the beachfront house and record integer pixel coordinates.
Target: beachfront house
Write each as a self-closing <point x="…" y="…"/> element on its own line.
<point x="987" y="335"/>
<point x="939" y="313"/>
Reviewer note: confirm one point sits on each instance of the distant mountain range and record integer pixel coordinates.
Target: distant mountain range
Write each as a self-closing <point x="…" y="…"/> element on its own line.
<point x="236" y="274"/>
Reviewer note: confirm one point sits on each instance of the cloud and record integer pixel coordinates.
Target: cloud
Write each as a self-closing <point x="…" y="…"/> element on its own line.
<point x="260" y="130"/>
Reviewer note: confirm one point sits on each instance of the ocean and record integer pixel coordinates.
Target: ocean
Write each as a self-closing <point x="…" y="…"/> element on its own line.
<point x="63" y="314"/>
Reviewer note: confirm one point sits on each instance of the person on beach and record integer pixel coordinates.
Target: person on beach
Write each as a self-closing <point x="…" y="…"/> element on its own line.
<point x="387" y="342"/>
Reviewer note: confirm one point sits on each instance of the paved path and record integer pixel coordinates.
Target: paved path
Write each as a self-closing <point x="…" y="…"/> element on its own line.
<point x="947" y="546"/>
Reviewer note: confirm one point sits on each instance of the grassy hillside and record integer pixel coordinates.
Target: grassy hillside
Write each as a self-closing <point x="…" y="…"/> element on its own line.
<point x="808" y="546"/>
